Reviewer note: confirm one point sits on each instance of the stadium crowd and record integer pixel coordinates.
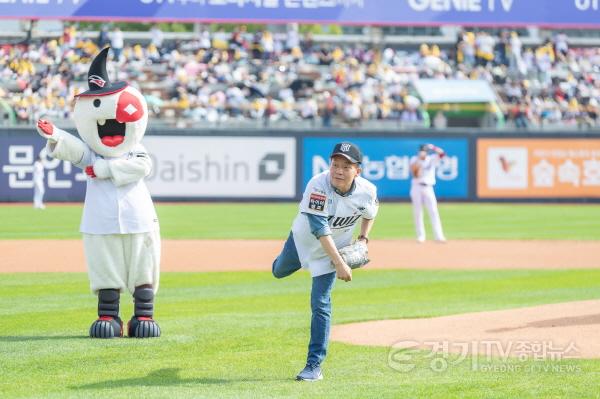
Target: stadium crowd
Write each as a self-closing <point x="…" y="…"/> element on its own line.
<point x="221" y="77"/>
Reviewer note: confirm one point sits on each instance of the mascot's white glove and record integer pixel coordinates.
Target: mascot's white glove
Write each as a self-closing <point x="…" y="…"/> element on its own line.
<point x="99" y="170"/>
<point x="61" y="144"/>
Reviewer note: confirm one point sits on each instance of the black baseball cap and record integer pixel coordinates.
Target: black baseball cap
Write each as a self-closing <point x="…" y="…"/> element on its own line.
<point x="349" y="151"/>
<point x="98" y="81"/>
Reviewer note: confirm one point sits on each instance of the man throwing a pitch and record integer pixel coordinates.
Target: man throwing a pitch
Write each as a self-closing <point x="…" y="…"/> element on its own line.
<point x="422" y="167"/>
<point x="321" y="241"/>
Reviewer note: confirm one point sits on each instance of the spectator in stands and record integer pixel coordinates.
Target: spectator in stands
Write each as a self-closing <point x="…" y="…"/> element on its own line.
<point x="484" y="44"/>
<point x="69" y="36"/>
<point x="103" y="37"/>
<point x="220" y="39"/>
<point x="157" y="37"/>
<point x="545" y="58"/>
<point x="270" y="111"/>
<point x="502" y="48"/>
<point x="466" y="49"/>
<point x="267" y="44"/>
<point x="352" y="112"/>
<point x="513" y="91"/>
<point x="561" y="45"/>
<point x="411" y="116"/>
<point x="307" y="42"/>
<point x="117" y="43"/>
<point x="440" y="121"/>
<point x="521" y="115"/>
<point x="292" y="39"/>
<point x="257" y="50"/>
<point x="327" y="108"/>
<point x="573" y="115"/>
<point x="237" y="40"/>
<point x="592" y="118"/>
<point x="204" y="40"/>
<point x="309" y="110"/>
<point x="515" y="55"/>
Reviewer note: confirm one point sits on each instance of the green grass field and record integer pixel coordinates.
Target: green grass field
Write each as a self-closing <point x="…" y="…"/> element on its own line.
<point x="272" y="221"/>
<point x="244" y="335"/>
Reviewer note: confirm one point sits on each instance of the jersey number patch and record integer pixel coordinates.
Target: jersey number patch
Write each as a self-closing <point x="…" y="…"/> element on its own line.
<point x="317" y="202"/>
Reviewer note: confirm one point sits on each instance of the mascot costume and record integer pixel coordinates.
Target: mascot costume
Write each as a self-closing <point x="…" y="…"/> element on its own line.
<point x="119" y="224"/>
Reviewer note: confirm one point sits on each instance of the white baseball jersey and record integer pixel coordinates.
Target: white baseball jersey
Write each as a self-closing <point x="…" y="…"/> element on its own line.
<point x="427" y="167"/>
<point x="342" y="212"/>
<point x="112" y="209"/>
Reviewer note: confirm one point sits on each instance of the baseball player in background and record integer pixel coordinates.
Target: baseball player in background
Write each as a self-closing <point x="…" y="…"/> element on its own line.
<point x="38" y="184"/>
<point x="332" y="204"/>
<point x="422" y="167"/>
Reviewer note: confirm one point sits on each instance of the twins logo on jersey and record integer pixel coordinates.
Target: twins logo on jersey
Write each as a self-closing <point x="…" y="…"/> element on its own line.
<point x="342" y="222"/>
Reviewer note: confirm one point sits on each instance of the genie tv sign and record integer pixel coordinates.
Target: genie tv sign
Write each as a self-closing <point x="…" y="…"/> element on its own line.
<point x="578" y="13"/>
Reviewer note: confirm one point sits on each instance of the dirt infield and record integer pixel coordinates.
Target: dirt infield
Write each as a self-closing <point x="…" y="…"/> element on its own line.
<point x="230" y="255"/>
<point x="571" y="327"/>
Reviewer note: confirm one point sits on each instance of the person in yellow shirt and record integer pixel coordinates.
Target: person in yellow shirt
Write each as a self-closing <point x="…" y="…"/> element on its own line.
<point x="337" y="54"/>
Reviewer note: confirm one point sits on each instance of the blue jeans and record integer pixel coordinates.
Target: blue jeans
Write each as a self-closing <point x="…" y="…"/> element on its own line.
<point x="320" y="300"/>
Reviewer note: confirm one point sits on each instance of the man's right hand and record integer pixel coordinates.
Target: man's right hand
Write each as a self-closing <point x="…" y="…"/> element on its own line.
<point x="341" y="268"/>
<point x="343" y="272"/>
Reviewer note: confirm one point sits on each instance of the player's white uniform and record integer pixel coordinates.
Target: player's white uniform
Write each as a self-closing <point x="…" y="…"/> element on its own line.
<point x="120" y="228"/>
<point x="342" y="212"/>
<point x="38" y="185"/>
<point x="421" y="193"/>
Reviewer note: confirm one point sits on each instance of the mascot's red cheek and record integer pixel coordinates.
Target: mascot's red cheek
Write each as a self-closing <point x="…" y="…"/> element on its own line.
<point x="129" y="108"/>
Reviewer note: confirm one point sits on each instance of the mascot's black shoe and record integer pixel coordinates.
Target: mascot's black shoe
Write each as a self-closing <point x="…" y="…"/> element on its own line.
<point x="107" y="327"/>
<point x="141" y="324"/>
<point x="142" y="327"/>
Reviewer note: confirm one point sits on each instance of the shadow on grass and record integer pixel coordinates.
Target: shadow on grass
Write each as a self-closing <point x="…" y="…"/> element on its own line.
<point x="159" y="378"/>
<point x="28" y="338"/>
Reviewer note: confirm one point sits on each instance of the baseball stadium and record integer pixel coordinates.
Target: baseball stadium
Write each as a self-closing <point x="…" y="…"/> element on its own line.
<point x="300" y="198"/>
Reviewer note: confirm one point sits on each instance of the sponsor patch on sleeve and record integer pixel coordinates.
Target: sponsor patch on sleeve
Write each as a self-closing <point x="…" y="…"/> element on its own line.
<point x="317" y="201"/>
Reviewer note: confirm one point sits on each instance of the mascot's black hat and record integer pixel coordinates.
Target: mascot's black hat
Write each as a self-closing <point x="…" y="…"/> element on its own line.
<point x="98" y="81"/>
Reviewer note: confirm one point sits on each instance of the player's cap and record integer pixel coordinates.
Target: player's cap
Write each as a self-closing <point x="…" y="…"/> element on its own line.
<point x="423" y="147"/>
<point x="349" y="151"/>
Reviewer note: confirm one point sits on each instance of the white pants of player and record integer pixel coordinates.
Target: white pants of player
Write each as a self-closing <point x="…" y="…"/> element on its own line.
<point x="424" y="196"/>
<point x="122" y="261"/>
<point x="38" y="195"/>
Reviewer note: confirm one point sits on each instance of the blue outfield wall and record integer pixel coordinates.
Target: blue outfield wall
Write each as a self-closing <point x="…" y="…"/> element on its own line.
<point x="63" y="181"/>
<point x="275" y="165"/>
<point x="387" y="163"/>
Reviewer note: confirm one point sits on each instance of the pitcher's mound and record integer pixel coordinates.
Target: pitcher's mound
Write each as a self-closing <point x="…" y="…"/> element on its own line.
<point x="563" y="330"/>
